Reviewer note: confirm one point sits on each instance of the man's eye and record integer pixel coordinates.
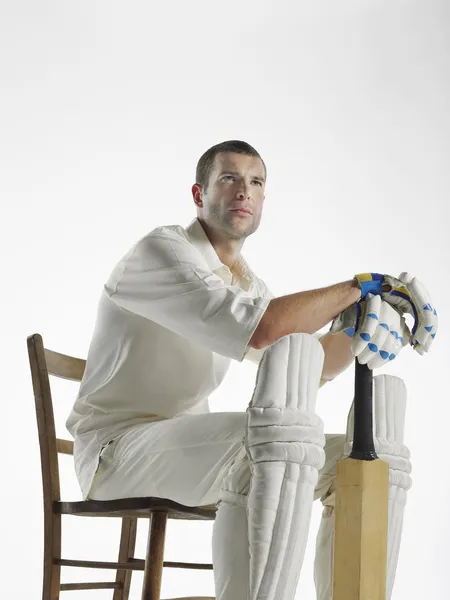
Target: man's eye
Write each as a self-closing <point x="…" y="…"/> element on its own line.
<point x="228" y="177"/>
<point x="258" y="182"/>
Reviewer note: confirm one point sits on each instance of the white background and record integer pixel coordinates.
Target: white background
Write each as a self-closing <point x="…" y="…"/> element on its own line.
<point x="105" y="108"/>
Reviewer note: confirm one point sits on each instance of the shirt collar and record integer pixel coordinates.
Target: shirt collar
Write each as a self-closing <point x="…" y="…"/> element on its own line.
<point x="201" y="241"/>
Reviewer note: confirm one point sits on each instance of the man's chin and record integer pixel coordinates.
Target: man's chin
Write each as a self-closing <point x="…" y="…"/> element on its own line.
<point x="240" y="231"/>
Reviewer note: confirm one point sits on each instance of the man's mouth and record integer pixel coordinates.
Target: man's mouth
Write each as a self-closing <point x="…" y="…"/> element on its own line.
<point x="241" y="211"/>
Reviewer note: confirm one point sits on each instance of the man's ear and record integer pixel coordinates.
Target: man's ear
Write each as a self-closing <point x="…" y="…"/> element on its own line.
<point x="197" y="194"/>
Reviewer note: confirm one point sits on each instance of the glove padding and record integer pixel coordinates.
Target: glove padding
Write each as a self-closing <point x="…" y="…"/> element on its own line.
<point x="407" y="295"/>
<point x="378" y="330"/>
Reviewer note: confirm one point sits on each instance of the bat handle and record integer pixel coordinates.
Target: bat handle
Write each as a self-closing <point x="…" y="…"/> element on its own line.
<point x="363" y="445"/>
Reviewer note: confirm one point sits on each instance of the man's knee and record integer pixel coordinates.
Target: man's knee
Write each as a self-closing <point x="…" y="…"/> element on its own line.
<point x="281" y="425"/>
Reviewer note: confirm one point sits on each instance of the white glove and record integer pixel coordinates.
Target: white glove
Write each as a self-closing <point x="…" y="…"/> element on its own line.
<point x="407" y="295"/>
<point x="378" y="330"/>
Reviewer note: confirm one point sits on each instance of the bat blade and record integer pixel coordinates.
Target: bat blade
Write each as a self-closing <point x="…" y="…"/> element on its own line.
<point x="361" y="507"/>
<point x="361" y="522"/>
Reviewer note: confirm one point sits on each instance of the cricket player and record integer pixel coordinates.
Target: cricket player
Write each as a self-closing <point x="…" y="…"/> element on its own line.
<point x="177" y="308"/>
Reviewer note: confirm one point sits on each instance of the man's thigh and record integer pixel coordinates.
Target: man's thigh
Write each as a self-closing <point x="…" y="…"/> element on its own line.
<point x="183" y="459"/>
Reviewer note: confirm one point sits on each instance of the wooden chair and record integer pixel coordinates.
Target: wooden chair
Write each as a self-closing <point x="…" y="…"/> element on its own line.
<point x="43" y="363"/>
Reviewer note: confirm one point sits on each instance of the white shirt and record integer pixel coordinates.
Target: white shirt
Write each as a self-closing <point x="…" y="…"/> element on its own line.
<point x="170" y="319"/>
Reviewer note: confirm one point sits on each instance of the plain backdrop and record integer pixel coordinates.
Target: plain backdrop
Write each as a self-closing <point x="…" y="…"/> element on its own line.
<point x="105" y="108"/>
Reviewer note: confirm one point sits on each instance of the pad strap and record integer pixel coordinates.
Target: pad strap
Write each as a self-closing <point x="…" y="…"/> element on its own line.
<point x="370" y="283"/>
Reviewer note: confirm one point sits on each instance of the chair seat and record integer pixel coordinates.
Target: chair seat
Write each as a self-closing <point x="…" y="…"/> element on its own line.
<point x="135" y="507"/>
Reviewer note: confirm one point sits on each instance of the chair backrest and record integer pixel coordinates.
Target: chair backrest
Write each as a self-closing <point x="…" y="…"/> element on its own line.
<point x="44" y="362"/>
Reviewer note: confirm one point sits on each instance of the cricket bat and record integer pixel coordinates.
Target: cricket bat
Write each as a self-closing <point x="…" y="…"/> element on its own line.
<point x="361" y="508"/>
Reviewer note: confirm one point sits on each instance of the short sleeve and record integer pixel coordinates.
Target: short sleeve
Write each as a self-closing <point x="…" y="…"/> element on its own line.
<point x="164" y="278"/>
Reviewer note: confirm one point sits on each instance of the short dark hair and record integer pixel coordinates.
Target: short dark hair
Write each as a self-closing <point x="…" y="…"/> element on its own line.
<point x="206" y="162"/>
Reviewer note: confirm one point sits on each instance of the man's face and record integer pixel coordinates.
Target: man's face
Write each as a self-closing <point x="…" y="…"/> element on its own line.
<point x="236" y="184"/>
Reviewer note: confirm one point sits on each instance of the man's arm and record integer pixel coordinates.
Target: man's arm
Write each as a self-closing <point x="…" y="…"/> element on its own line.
<point x="165" y="279"/>
<point x="307" y="312"/>
<point x="304" y="312"/>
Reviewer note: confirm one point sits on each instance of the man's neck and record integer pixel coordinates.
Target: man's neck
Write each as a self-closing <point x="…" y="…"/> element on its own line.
<point x="228" y="250"/>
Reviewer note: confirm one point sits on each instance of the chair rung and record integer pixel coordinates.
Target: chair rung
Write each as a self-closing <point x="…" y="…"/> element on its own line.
<point x="133" y="564"/>
<point x="183" y="565"/>
<point x="98" y="585"/>
<point x="64" y="446"/>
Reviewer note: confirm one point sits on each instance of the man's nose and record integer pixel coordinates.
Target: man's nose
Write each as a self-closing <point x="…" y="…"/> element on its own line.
<point x="244" y="192"/>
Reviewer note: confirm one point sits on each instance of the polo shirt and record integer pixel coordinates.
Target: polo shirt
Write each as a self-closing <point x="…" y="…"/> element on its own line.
<point x="170" y="319"/>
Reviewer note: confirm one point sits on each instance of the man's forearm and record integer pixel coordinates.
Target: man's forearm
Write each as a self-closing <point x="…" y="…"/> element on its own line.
<point x="338" y="356"/>
<point x="304" y="312"/>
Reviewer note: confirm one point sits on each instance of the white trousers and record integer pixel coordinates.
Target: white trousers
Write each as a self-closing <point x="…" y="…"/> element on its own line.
<point x="189" y="460"/>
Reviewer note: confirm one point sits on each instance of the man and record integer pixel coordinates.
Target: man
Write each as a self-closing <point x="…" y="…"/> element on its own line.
<point x="176" y="309"/>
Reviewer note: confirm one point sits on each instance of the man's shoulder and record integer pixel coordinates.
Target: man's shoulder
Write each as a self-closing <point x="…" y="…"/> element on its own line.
<point x="169" y="231"/>
<point x="164" y="246"/>
<point x="164" y="236"/>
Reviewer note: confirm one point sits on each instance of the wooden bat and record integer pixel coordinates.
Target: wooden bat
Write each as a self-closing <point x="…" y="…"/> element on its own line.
<point x="361" y="509"/>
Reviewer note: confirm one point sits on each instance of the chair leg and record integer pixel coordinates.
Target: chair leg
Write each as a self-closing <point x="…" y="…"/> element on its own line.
<point x="154" y="559"/>
<point x="52" y="551"/>
<point x="126" y="551"/>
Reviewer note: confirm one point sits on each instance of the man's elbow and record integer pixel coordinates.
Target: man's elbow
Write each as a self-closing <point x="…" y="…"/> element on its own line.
<point x="268" y="331"/>
<point x="256" y="341"/>
<point x="260" y="338"/>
